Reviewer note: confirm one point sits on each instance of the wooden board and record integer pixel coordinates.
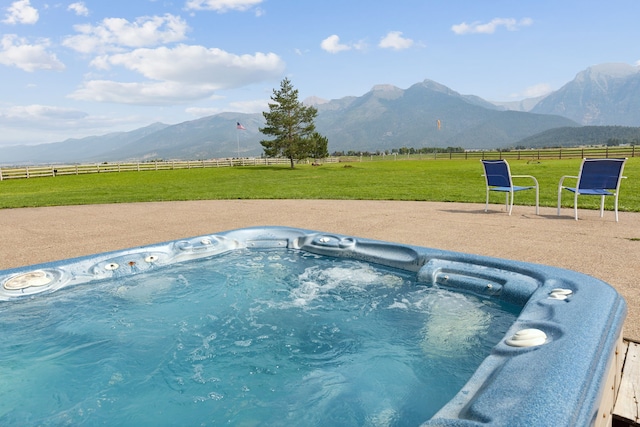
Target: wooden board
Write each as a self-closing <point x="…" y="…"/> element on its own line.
<point x="627" y="405"/>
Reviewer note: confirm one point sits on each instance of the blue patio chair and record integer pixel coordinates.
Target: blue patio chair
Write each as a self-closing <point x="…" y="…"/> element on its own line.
<point x="597" y="177"/>
<point x="499" y="178"/>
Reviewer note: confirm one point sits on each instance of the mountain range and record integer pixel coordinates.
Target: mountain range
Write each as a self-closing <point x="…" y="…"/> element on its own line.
<point x="427" y="114"/>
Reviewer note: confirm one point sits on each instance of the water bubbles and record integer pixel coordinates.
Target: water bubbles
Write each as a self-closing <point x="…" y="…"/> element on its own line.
<point x="215" y="396"/>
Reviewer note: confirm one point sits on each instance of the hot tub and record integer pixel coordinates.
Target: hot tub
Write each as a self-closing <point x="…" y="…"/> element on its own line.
<point x="552" y="363"/>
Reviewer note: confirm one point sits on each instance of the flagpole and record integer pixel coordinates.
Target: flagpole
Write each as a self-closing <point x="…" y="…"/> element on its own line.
<point x="239" y="127"/>
<point x="238" y="141"/>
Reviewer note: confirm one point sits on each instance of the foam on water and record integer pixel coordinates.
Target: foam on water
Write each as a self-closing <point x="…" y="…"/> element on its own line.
<point x="249" y="338"/>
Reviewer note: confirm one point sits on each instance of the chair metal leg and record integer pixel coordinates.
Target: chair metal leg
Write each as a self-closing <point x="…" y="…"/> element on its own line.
<point x="486" y="205"/>
<point x="601" y="206"/>
<point x="615" y="205"/>
<point x="559" y="198"/>
<point x="575" y="205"/>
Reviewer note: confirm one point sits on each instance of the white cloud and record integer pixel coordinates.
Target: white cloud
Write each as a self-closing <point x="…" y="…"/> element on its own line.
<point x="140" y="93"/>
<point x="79" y="8"/>
<point x="21" y="12"/>
<point x="222" y="6"/>
<point x="37" y="124"/>
<point x="199" y="65"/>
<point x="17" y="52"/>
<point x="254" y="106"/>
<point x="394" y="40"/>
<point x="113" y="34"/>
<point x="537" y="90"/>
<point x="202" y="111"/>
<point x="246" y="107"/>
<point x="38" y="113"/>
<point x="510" y="24"/>
<point x="332" y="44"/>
<point x="183" y="73"/>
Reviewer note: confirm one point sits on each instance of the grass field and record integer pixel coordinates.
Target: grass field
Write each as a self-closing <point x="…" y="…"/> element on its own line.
<point x="429" y="180"/>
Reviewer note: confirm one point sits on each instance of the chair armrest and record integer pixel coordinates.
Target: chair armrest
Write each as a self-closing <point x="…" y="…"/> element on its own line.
<point x="562" y="180"/>
<point x="526" y="176"/>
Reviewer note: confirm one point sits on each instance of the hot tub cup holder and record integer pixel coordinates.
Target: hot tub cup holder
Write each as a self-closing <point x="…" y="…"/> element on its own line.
<point x="560" y="294"/>
<point x="32" y="282"/>
<point x="334" y="241"/>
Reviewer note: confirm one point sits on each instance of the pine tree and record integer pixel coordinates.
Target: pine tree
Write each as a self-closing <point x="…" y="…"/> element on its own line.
<point x="290" y="123"/>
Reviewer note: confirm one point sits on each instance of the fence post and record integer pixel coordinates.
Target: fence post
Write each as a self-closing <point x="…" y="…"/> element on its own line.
<point x="0" y="174"/>
<point x="27" y="171"/>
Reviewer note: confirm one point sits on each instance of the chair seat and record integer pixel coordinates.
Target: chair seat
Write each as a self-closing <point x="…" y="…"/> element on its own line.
<point x="597" y="177"/>
<point x="508" y="189"/>
<point x="498" y="178"/>
<point x="591" y="192"/>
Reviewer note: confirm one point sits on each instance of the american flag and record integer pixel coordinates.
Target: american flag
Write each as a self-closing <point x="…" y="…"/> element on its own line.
<point x="239" y="126"/>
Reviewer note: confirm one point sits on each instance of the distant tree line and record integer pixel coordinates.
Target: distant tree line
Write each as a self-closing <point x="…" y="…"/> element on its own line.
<point x="399" y="151"/>
<point x="582" y="136"/>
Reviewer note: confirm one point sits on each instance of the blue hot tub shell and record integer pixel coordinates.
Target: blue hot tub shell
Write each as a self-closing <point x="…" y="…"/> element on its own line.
<point x="565" y="378"/>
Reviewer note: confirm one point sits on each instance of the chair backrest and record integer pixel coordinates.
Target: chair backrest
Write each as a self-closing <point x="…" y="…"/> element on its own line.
<point x="600" y="174"/>
<point x="497" y="173"/>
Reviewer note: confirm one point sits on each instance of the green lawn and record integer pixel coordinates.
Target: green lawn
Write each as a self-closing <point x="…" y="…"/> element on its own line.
<point x="431" y="180"/>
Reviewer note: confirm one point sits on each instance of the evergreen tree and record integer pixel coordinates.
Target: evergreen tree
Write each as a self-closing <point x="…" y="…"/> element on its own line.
<point x="319" y="148"/>
<point x="290" y="123"/>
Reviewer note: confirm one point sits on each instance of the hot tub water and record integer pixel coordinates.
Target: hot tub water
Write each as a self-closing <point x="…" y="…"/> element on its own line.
<point x="248" y="338"/>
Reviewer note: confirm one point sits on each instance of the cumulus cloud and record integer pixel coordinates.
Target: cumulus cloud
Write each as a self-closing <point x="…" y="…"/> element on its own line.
<point x="21" y="12"/>
<point x="79" y="8"/>
<point x="332" y="44"/>
<point x="140" y="93"/>
<point x="222" y="6"/>
<point x="199" y="65"/>
<point x="394" y="40"/>
<point x="114" y="34"/>
<point x="18" y="52"/>
<point x="510" y="24"/>
<point x="183" y="73"/>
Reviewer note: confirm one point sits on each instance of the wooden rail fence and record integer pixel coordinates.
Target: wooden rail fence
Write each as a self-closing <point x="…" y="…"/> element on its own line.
<point x="529" y="155"/>
<point x="57" y="170"/>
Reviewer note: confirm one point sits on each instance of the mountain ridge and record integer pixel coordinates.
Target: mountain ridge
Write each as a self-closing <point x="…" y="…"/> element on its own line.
<point x="426" y="114"/>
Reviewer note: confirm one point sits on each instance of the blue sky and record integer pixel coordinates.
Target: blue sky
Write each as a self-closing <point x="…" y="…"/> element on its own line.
<point x="77" y="68"/>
